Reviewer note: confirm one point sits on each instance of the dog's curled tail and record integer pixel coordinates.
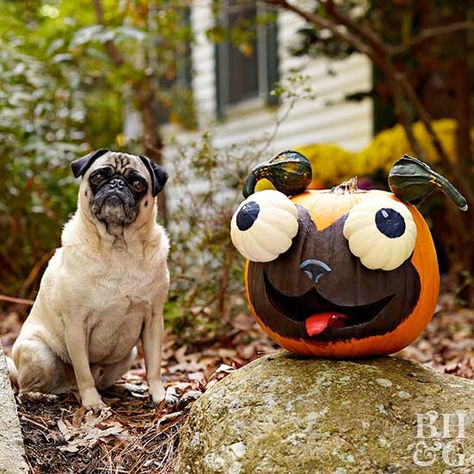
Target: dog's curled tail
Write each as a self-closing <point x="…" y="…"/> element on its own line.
<point x="12" y="373"/>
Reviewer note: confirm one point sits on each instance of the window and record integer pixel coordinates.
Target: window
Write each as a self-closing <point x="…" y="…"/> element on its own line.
<point x="247" y="72"/>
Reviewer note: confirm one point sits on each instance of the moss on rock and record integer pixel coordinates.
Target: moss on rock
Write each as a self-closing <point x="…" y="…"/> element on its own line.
<point x="284" y="414"/>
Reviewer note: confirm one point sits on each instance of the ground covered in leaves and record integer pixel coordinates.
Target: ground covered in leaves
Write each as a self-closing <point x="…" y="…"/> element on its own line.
<point x="136" y="437"/>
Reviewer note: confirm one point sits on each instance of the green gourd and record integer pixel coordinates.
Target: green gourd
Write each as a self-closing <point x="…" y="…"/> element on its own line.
<point x="411" y="180"/>
<point x="288" y="172"/>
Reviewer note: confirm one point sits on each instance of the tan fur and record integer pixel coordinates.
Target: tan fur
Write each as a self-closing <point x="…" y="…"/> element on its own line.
<point x="102" y="292"/>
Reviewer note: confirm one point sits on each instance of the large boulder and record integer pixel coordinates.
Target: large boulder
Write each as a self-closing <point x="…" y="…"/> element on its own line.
<point x="284" y="414"/>
<point x="11" y="441"/>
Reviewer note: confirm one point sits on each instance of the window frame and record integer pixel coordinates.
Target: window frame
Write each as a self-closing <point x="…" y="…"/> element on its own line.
<point x="267" y="67"/>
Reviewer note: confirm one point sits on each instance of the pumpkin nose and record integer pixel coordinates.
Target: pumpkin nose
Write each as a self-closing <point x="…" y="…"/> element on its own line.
<point x="314" y="269"/>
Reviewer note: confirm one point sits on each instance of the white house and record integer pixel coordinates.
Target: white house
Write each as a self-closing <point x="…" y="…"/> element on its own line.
<point x="231" y="92"/>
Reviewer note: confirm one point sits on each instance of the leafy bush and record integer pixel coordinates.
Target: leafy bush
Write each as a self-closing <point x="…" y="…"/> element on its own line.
<point x="39" y="132"/>
<point x="206" y="270"/>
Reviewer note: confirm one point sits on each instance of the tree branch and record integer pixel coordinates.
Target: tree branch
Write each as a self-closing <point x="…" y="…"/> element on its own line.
<point x="11" y="299"/>
<point x="365" y="41"/>
<point x="429" y="33"/>
<point x="378" y="55"/>
<point x="114" y="54"/>
<point x="325" y="23"/>
<point x="378" y="45"/>
<point x="426" y="119"/>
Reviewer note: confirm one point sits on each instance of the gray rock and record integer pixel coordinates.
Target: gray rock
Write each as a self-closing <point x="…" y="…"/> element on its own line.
<point x="11" y="442"/>
<point x="283" y="414"/>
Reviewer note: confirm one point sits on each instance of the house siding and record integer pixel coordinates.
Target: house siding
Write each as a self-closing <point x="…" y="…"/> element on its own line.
<point x="325" y="119"/>
<point x="204" y="64"/>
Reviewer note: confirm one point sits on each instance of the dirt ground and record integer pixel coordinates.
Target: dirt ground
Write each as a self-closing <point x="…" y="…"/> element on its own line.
<point x="136" y="437"/>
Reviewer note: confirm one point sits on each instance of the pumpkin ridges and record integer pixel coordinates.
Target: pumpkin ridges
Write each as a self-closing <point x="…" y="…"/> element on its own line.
<point x="326" y="214"/>
<point x="424" y="259"/>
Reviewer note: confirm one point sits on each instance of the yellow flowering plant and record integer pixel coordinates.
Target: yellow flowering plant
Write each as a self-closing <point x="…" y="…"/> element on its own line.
<point x="332" y="164"/>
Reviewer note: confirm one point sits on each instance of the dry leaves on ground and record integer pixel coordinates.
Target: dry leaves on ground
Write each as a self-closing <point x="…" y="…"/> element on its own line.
<point x="447" y="344"/>
<point x="134" y="436"/>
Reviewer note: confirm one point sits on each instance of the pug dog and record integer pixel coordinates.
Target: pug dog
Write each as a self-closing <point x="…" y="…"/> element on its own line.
<point x="104" y="289"/>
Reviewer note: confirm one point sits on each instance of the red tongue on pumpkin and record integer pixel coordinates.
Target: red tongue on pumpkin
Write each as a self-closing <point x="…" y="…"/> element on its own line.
<point x="317" y="323"/>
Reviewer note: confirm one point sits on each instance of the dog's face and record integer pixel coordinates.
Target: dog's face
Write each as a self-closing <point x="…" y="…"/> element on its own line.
<point x="118" y="188"/>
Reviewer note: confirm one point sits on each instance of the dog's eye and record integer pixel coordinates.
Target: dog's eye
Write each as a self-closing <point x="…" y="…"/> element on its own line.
<point x="99" y="175"/>
<point x="138" y="185"/>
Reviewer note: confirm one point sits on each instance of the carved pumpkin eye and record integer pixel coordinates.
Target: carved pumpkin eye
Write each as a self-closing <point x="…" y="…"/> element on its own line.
<point x="381" y="232"/>
<point x="264" y="225"/>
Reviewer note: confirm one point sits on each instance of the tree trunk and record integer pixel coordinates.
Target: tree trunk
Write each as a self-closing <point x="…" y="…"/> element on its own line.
<point x="462" y="256"/>
<point x="152" y="142"/>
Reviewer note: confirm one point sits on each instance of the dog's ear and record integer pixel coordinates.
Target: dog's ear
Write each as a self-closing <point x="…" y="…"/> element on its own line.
<point x="158" y="174"/>
<point x="81" y="165"/>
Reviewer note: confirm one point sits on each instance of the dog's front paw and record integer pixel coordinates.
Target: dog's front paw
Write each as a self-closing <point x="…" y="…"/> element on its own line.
<point x="91" y="400"/>
<point x="157" y="391"/>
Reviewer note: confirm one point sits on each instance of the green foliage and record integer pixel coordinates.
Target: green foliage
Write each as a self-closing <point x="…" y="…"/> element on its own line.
<point x="62" y="94"/>
<point x="207" y="272"/>
<point x="40" y="122"/>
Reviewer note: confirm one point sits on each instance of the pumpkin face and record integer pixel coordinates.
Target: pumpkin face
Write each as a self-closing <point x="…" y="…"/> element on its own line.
<point x="320" y="297"/>
<point x="339" y="273"/>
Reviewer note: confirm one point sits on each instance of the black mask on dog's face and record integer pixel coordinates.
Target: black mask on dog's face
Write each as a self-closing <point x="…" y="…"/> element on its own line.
<point x="117" y="186"/>
<point x="116" y="197"/>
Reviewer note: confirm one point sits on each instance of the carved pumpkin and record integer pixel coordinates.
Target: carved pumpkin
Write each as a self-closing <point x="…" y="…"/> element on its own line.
<point x="359" y="278"/>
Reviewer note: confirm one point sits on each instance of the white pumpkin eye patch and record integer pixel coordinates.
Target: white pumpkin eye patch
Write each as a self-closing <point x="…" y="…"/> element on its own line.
<point x="263" y="226"/>
<point x="381" y="232"/>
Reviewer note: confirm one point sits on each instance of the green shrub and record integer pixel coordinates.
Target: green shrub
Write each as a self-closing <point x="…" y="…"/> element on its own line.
<point x="206" y="271"/>
<point x="40" y="123"/>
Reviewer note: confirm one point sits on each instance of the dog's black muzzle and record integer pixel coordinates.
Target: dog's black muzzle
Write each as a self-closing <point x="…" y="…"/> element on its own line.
<point x="115" y="203"/>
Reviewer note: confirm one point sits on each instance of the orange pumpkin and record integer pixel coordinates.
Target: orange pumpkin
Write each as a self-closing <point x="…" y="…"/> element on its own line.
<point x="359" y="278"/>
<point x="325" y="208"/>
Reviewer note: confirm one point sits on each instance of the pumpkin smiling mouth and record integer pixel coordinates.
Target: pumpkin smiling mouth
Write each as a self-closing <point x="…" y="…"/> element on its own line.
<point x="321" y="315"/>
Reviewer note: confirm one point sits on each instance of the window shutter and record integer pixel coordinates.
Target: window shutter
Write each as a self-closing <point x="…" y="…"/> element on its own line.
<point x="184" y="64"/>
<point x="218" y="73"/>
<point x="271" y="44"/>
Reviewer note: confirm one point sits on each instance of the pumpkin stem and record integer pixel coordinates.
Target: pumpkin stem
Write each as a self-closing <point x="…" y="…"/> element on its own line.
<point x="411" y="180"/>
<point x="289" y="172"/>
<point x="349" y="186"/>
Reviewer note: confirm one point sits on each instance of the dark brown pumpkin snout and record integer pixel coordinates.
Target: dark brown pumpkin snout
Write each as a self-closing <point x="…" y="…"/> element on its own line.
<point x="314" y="269"/>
